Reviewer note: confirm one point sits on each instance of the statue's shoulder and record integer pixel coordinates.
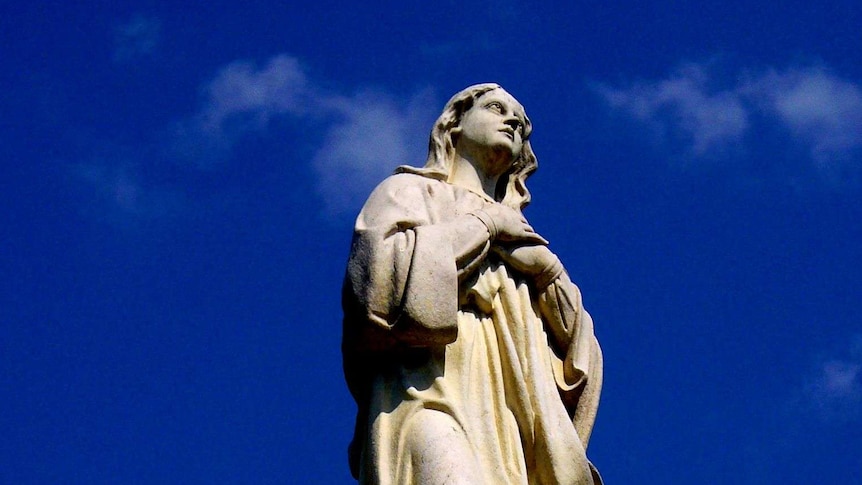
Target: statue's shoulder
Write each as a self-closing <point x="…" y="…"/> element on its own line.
<point x="401" y="195"/>
<point x="405" y="182"/>
<point x="407" y="176"/>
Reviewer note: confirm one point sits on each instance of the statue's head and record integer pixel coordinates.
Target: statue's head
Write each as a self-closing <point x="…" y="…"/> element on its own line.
<point x="511" y="189"/>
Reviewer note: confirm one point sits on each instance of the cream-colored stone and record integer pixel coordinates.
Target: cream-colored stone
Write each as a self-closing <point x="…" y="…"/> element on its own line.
<point x="466" y="346"/>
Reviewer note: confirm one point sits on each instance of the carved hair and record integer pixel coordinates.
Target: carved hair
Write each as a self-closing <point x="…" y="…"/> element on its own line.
<point x="511" y="188"/>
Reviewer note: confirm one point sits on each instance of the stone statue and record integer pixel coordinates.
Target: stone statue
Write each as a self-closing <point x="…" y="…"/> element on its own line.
<point x="466" y="346"/>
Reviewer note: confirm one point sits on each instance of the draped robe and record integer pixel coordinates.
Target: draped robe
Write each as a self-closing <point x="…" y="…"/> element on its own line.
<point x="515" y="369"/>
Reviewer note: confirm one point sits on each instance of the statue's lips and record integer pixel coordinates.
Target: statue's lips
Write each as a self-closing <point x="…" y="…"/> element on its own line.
<point x="508" y="131"/>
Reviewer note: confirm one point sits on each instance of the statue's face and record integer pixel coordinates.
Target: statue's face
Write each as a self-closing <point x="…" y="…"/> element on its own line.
<point x="495" y="122"/>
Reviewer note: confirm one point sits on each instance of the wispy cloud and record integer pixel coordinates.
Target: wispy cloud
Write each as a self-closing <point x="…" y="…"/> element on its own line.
<point x="374" y="134"/>
<point x="817" y="106"/>
<point x="814" y="107"/>
<point x="349" y="139"/>
<point x="241" y="98"/>
<point x="833" y="392"/>
<point x="366" y="134"/>
<point x="279" y="87"/>
<point x="136" y="38"/>
<point x="826" y="398"/>
<point x="684" y="102"/>
<point x="122" y="195"/>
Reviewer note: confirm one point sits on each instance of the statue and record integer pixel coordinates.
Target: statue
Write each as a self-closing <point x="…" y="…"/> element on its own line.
<point x="465" y="344"/>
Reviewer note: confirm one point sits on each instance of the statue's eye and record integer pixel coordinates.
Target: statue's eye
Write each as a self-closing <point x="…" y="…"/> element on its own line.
<point x="495" y="107"/>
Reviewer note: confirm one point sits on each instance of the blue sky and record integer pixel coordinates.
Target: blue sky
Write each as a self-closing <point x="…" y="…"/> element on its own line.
<point x="178" y="183"/>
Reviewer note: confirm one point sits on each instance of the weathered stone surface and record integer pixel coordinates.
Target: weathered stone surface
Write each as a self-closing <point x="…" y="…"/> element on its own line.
<point x="466" y="345"/>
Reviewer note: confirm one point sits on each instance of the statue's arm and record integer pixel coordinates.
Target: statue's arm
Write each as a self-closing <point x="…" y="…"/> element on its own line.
<point x="559" y="302"/>
<point x="567" y="323"/>
<point x="579" y="368"/>
<point x="405" y="265"/>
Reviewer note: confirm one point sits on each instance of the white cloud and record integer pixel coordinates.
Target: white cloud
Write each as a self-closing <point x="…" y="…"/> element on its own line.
<point x="839" y="379"/>
<point x="825" y="402"/>
<point x="374" y="134"/>
<point x="359" y="137"/>
<point x="136" y="38"/>
<point x="710" y="119"/>
<point x="366" y="135"/>
<point x="834" y="391"/>
<point x="280" y="87"/>
<point x="241" y="99"/>
<point x="818" y="109"/>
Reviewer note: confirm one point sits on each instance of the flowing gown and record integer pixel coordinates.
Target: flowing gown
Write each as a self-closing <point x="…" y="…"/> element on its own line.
<point x="515" y="371"/>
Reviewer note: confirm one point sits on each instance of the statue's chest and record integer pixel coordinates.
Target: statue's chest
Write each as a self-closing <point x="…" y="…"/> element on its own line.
<point x="452" y="202"/>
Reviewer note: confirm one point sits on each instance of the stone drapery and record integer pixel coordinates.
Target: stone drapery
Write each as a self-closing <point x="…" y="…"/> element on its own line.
<point x="509" y="371"/>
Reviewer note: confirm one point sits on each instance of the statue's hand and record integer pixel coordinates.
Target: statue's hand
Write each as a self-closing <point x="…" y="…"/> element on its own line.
<point x="511" y="226"/>
<point x="529" y="260"/>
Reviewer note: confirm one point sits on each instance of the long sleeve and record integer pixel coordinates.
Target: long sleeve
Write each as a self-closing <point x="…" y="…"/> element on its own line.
<point x="579" y="369"/>
<point x="407" y="257"/>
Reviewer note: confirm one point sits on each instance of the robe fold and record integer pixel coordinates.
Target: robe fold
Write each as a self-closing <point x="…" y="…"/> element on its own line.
<point x="515" y="371"/>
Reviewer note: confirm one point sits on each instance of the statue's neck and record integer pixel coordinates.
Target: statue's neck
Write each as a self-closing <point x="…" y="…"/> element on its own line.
<point x="467" y="174"/>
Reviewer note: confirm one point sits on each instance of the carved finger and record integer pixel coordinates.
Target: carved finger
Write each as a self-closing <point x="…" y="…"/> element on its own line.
<point x="537" y="238"/>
